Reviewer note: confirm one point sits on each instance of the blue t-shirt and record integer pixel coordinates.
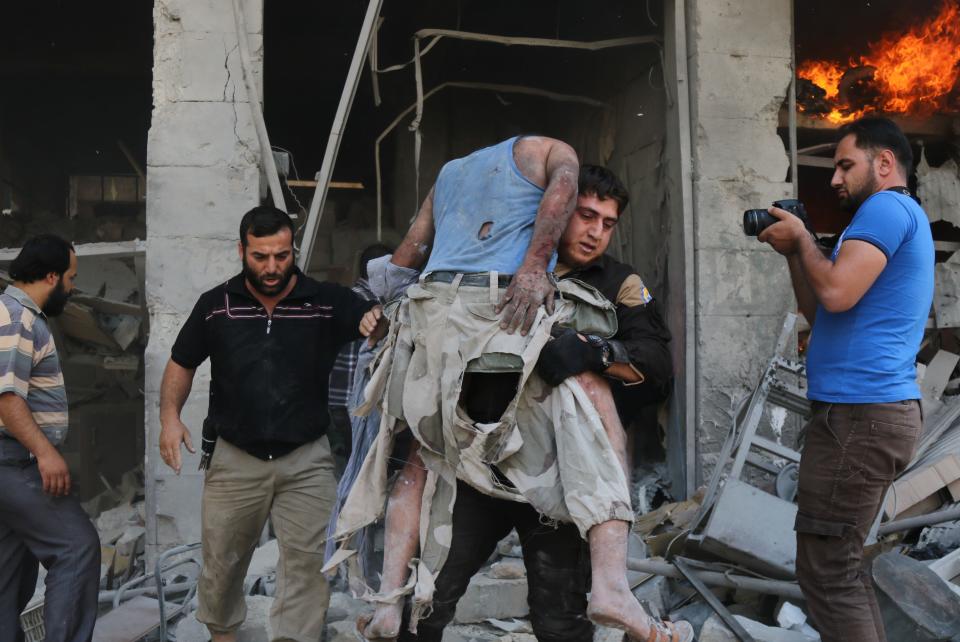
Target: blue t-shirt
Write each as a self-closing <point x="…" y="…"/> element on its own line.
<point x="484" y="210"/>
<point x="868" y="353"/>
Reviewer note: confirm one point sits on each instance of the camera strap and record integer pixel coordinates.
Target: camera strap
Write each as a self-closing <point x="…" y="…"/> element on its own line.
<point x="900" y="189"/>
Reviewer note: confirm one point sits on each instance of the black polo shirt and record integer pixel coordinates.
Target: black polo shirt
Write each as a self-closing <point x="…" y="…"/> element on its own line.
<point x="269" y="373"/>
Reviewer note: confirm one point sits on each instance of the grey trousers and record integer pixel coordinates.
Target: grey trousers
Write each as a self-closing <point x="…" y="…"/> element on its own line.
<point x="56" y="532"/>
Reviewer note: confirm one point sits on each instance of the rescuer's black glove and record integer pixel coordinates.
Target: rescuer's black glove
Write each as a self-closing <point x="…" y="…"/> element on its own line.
<point x="569" y="355"/>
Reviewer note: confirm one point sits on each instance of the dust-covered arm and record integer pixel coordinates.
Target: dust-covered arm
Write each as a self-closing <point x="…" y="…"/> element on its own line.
<point x="414" y="250"/>
<point x="531" y="287"/>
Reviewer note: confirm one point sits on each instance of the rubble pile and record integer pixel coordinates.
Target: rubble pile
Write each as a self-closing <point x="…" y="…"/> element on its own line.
<point x="724" y="559"/>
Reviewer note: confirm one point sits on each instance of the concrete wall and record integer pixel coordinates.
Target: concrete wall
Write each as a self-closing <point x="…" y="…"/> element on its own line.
<point x="739" y="67"/>
<point x="202" y="176"/>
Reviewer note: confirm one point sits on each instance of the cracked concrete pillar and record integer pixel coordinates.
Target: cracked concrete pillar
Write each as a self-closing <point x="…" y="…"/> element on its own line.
<point x="202" y="175"/>
<point x="740" y="67"/>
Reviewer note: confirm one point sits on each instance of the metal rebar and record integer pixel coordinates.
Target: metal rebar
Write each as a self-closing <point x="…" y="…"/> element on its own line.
<point x="713" y="601"/>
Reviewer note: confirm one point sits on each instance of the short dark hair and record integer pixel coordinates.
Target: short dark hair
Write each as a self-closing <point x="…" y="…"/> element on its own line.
<point x="371" y="252"/>
<point x="40" y="256"/>
<point x="264" y="220"/>
<point x="876" y="133"/>
<point x="602" y="183"/>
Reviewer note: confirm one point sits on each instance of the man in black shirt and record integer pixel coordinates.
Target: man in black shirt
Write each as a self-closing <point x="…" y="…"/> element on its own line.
<point x="272" y="334"/>
<point x="636" y="361"/>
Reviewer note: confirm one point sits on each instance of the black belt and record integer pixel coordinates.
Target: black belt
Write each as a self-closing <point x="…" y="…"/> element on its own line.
<point x="481" y="279"/>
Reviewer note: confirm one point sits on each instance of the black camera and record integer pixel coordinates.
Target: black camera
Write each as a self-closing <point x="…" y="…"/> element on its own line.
<point x="756" y="221"/>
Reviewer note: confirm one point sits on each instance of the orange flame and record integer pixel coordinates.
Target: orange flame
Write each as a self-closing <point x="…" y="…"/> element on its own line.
<point x="915" y="71"/>
<point x="823" y="74"/>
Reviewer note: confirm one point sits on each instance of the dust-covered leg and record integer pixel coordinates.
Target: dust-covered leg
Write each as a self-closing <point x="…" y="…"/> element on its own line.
<point x="401" y="541"/>
<point x="612" y="603"/>
<point x="599" y="392"/>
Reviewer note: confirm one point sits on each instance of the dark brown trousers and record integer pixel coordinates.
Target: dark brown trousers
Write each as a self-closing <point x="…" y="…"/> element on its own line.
<point x="851" y="455"/>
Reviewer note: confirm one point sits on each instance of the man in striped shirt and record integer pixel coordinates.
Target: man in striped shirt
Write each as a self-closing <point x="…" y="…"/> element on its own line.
<point x="39" y="519"/>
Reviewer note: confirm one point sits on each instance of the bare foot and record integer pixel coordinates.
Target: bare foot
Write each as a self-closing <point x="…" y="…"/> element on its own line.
<point x="617" y="608"/>
<point x="384" y="624"/>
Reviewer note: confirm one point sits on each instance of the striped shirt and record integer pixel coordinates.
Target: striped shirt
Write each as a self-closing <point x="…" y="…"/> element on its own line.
<point x="29" y="365"/>
<point x="341" y="375"/>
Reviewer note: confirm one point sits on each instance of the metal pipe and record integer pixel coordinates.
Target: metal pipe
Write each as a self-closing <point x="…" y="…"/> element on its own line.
<point x="158" y="579"/>
<point x="336" y="134"/>
<point x="727" y="580"/>
<point x="107" y="597"/>
<point x="253" y="97"/>
<point x="929" y="519"/>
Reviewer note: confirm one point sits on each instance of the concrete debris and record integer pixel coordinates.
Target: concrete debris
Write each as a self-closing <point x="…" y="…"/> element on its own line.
<point x="945" y="538"/>
<point x="127" y="549"/>
<point x="508" y="569"/>
<point x="512" y="626"/>
<point x="343" y="606"/>
<point x="484" y="633"/>
<point x="792" y="617"/>
<point x="112" y="523"/>
<point x="341" y="631"/>
<point x="696" y="613"/>
<point x="264" y="560"/>
<point x="487" y="598"/>
<point x="915" y="602"/>
<point x="946" y="298"/>
<point x="650" y="487"/>
<point x="509" y="546"/>
<point x="714" y="630"/>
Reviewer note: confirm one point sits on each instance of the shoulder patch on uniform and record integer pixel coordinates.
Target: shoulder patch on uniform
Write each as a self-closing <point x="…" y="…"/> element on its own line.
<point x="633" y="292"/>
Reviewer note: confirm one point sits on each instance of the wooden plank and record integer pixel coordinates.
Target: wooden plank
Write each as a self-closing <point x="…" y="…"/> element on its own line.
<point x="938" y="373"/>
<point x="333" y="184"/>
<point x="939" y="125"/>
<point x="809" y="160"/>
<point x="77" y="321"/>
<point x="107" y="306"/>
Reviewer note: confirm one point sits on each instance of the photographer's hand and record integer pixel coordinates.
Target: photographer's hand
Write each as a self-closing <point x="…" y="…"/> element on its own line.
<point x="786" y="235"/>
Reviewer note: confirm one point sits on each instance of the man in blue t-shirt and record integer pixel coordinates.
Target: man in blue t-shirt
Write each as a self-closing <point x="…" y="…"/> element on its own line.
<point x="868" y="305"/>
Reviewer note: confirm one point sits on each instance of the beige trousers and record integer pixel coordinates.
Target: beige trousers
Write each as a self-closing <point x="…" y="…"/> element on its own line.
<point x="296" y="491"/>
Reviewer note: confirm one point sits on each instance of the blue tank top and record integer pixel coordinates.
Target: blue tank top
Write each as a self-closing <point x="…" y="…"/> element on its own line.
<point x="484" y="187"/>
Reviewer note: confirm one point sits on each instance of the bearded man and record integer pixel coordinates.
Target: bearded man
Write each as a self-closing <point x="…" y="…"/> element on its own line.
<point x="868" y="305"/>
<point x="39" y="517"/>
<point x="272" y="334"/>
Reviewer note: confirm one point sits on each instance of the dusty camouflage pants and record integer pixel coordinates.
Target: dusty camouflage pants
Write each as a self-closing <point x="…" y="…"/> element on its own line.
<point x="549" y="443"/>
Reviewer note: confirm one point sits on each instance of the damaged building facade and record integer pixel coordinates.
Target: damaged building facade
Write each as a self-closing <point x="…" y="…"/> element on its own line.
<point x="691" y="102"/>
<point x="657" y="109"/>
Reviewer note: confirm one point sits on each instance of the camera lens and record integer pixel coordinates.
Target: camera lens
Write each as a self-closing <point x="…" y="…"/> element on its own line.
<point x="756" y="221"/>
